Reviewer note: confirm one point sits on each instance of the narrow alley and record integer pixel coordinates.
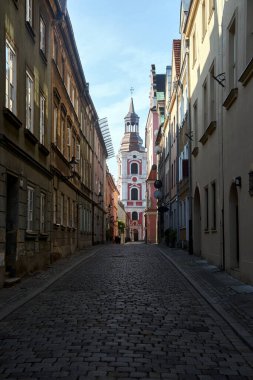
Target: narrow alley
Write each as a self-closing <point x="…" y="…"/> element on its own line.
<point x="122" y="312"/>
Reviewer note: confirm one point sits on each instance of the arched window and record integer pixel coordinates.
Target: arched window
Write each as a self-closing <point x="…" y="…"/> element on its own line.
<point x="134" y="194"/>
<point x="134" y="168"/>
<point x="134" y="215"/>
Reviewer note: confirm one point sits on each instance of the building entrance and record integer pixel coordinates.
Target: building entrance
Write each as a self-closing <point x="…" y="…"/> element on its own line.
<point x="11" y="224"/>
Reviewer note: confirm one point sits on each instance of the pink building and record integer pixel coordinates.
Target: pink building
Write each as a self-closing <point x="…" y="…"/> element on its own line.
<point x="132" y="175"/>
<point x="154" y="119"/>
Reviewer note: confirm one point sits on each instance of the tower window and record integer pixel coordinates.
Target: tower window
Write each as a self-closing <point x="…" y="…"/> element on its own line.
<point x="134" y="215"/>
<point x="134" y="194"/>
<point x="134" y="168"/>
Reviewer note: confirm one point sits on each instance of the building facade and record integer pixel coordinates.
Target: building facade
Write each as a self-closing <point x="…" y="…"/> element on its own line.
<point x="52" y="152"/>
<point x="25" y="121"/>
<point x="132" y="175"/>
<point x="154" y="120"/>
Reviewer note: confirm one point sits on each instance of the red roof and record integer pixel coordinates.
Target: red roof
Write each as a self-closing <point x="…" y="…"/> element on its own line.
<point x="177" y="55"/>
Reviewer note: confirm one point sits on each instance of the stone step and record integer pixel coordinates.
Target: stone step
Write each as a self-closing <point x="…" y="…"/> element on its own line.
<point x="11" y="281"/>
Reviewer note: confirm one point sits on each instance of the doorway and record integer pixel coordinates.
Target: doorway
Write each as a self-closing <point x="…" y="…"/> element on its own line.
<point x="135" y="235"/>
<point x="197" y="224"/>
<point x="11" y="224"/>
<point x="234" y="227"/>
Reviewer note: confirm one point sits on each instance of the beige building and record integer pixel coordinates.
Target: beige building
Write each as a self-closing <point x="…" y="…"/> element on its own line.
<point x="220" y="71"/>
<point x="236" y="137"/>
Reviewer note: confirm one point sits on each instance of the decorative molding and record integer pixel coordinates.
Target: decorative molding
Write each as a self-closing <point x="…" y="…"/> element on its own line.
<point x="231" y="98"/>
<point x="30" y="30"/>
<point x="43" y="149"/>
<point x="247" y="73"/>
<point x="12" y="118"/>
<point x="30" y="136"/>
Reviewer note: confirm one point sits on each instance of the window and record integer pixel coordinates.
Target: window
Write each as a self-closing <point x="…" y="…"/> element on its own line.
<point x="206" y="209"/>
<point x="69" y="142"/>
<point x="134" y="194"/>
<point x="54" y="206"/>
<point x="29" y="102"/>
<point x="194" y="48"/>
<point x="212" y="94"/>
<point x="232" y="54"/>
<point x="42" y="212"/>
<point x="213" y="206"/>
<point x="63" y="68"/>
<point x="62" y="134"/>
<point x="134" y="215"/>
<point x="134" y="168"/>
<point x="195" y="122"/>
<point x="68" y="83"/>
<point x="42" y="35"/>
<point x="30" y="200"/>
<point x="68" y="212"/>
<point x="78" y="152"/>
<point x="29" y="11"/>
<point x="11" y="78"/>
<point x="204" y="19"/>
<point x="55" y="124"/>
<point x="249" y="31"/>
<point x="211" y="8"/>
<point x="42" y="119"/>
<point x="62" y="210"/>
<point x="55" y="51"/>
<point x="205" y="108"/>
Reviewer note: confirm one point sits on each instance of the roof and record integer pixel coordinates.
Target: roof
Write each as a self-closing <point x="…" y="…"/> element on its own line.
<point x="177" y="55"/>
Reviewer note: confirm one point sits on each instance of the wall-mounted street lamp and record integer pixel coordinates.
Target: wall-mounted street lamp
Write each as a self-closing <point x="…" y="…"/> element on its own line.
<point x="100" y="198"/>
<point x="238" y="181"/>
<point x="72" y="163"/>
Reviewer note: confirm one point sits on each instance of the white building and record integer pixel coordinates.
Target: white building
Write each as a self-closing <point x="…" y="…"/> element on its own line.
<point x="132" y="172"/>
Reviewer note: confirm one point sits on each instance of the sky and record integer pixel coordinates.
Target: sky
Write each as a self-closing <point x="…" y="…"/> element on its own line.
<point x="118" y="41"/>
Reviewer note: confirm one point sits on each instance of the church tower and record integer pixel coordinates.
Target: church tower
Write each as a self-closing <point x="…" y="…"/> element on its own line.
<point x="132" y="161"/>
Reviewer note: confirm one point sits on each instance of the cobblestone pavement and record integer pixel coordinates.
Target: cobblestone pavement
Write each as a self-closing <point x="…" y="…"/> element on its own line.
<point x="125" y="312"/>
<point x="232" y="298"/>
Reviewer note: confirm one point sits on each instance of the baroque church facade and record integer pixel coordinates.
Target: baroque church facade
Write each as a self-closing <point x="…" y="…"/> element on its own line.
<point x="132" y="173"/>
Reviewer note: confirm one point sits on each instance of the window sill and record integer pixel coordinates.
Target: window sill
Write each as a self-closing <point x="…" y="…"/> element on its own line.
<point x="30" y="30"/>
<point x="16" y="3"/>
<point x="12" y="118"/>
<point x="43" y="236"/>
<point x="56" y="226"/>
<point x="231" y="98"/>
<point x="214" y="231"/>
<point x="43" y="149"/>
<point x="30" y="235"/>
<point x="30" y="136"/>
<point x="247" y="74"/>
<point x="206" y="231"/>
<point x="195" y="151"/>
<point x="43" y="56"/>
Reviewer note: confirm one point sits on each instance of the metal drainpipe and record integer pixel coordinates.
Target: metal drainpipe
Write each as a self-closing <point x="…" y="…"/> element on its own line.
<point x="189" y="162"/>
<point x="177" y="172"/>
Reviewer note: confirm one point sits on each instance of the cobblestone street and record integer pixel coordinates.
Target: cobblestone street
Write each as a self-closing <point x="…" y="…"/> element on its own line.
<point x="123" y="313"/>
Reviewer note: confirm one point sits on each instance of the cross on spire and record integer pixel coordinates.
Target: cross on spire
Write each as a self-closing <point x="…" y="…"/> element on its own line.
<point x="131" y="90"/>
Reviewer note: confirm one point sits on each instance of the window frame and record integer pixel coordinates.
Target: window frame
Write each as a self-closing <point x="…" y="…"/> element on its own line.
<point x="11" y="78"/>
<point x="42" y="118"/>
<point x="42" y="212"/>
<point x="29" y="12"/>
<point x="136" y="191"/>
<point x="42" y="35"/>
<point x="29" y="102"/>
<point x="30" y="208"/>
